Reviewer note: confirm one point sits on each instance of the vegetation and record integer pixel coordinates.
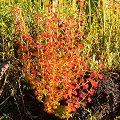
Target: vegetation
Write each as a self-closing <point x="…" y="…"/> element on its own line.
<point x="57" y="42"/>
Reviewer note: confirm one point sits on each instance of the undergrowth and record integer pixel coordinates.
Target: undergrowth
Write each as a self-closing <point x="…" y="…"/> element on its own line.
<point x="57" y="42"/>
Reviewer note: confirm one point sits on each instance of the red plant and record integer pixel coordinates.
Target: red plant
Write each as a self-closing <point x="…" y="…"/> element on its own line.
<point x="53" y="63"/>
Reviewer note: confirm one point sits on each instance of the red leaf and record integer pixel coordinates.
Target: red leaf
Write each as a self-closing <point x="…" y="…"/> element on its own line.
<point x="100" y="76"/>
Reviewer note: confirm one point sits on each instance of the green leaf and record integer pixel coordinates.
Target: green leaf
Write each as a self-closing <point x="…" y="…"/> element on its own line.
<point x="11" y="50"/>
